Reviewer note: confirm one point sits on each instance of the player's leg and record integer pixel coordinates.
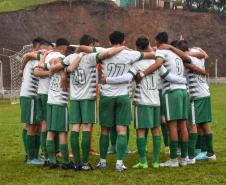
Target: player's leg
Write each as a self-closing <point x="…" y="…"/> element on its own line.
<point x="122" y="120"/>
<point x="24" y="139"/>
<point x="75" y="120"/>
<point x="156" y="146"/>
<point x="107" y="121"/>
<point x="50" y="147"/>
<point x="64" y="150"/>
<point x="141" y="147"/>
<point x="113" y="138"/>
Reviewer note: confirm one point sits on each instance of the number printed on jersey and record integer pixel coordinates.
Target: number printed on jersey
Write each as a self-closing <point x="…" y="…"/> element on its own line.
<point x="79" y="77"/>
<point x="114" y="70"/>
<point x="150" y="82"/>
<point x="179" y="66"/>
<point x="55" y="83"/>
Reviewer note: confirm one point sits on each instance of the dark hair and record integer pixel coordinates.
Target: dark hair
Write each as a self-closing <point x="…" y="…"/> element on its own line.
<point x="161" y="37"/>
<point x="62" y="42"/>
<point x="86" y="40"/>
<point x="44" y="42"/>
<point x="174" y="43"/>
<point x="116" y="37"/>
<point x="37" y="41"/>
<point x="142" y="43"/>
<point x="95" y="39"/>
<point x="183" y="45"/>
<point x="50" y="43"/>
<point x="70" y="50"/>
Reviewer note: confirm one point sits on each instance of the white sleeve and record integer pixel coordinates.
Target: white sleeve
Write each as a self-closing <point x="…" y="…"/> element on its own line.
<point x="120" y="79"/>
<point x="175" y="79"/>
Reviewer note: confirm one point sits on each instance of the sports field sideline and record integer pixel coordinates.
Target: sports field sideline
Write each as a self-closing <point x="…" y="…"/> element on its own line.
<point x="15" y="171"/>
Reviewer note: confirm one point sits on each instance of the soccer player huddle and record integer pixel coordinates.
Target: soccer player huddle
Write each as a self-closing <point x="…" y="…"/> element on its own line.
<point x="170" y="94"/>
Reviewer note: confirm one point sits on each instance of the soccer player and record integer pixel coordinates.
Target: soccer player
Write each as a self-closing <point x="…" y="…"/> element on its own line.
<point x="83" y="99"/>
<point x="200" y="107"/>
<point x="115" y="106"/>
<point x="57" y="112"/>
<point x="175" y="98"/>
<point x="28" y="105"/>
<point x="147" y="102"/>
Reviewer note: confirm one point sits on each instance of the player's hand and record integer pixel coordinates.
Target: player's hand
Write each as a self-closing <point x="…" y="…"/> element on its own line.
<point x="20" y="73"/>
<point x="165" y="46"/>
<point x="51" y="71"/>
<point x="64" y="83"/>
<point x="138" y="78"/>
<point x="104" y="80"/>
<point x="40" y="65"/>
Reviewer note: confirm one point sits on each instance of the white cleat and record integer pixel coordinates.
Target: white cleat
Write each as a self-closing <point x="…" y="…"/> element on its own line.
<point x="170" y="163"/>
<point x="212" y="158"/>
<point x="120" y="167"/>
<point x="183" y="162"/>
<point x="191" y="161"/>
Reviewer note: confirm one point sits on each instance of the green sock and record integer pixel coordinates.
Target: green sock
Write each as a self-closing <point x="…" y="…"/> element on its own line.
<point x="209" y="143"/>
<point x="103" y="144"/>
<point x="50" y="146"/>
<point x="43" y="143"/>
<point x="173" y="149"/>
<point x="203" y="144"/>
<point x="198" y="142"/>
<point x="156" y="148"/>
<point x="64" y="151"/>
<point x="141" y="146"/>
<point x="24" y="138"/>
<point x="75" y="146"/>
<point x="57" y="142"/>
<point x="85" y="146"/>
<point x="30" y="146"/>
<point x="37" y="146"/>
<point x="192" y="144"/>
<point x="184" y="149"/>
<point x="165" y="133"/>
<point x="113" y="136"/>
<point x="121" y="146"/>
<point x="179" y="139"/>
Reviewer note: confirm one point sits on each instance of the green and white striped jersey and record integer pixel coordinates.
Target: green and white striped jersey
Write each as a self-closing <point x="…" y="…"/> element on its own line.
<point x="174" y="64"/>
<point x="118" y="65"/>
<point x="43" y="86"/>
<point x="29" y="82"/>
<point x="55" y="93"/>
<point x="197" y="84"/>
<point x="146" y="92"/>
<point x="83" y="79"/>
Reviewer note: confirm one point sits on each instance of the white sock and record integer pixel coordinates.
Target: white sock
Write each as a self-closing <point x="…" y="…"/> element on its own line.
<point x="103" y="160"/>
<point x="119" y="162"/>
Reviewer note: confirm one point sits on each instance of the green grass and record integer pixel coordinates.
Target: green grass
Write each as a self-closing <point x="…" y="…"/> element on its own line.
<point x="12" y="5"/>
<point x="14" y="171"/>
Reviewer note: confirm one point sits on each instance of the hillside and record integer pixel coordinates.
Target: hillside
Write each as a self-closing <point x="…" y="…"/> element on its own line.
<point x="61" y="20"/>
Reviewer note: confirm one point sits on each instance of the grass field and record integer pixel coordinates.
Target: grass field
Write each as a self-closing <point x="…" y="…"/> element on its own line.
<point x="14" y="171"/>
<point x="12" y="5"/>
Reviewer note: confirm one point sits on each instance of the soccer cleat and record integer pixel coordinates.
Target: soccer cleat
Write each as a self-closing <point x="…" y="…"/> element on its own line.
<point x="202" y="156"/>
<point x="183" y="162"/>
<point x="170" y="163"/>
<point x="87" y="167"/>
<point x="35" y="162"/>
<point x="66" y="166"/>
<point x="53" y="165"/>
<point x="191" y="161"/>
<point x="101" y="165"/>
<point x="140" y="166"/>
<point x="112" y="150"/>
<point x="120" y="167"/>
<point x="212" y="157"/>
<point x="167" y="150"/>
<point x="197" y="151"/>
<point x="155" y="165"/>
<point x="77" y="166"/>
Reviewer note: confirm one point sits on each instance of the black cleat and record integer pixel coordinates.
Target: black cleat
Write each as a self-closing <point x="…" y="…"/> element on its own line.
<point x="77" y="166"/>
<point x="87" y="167"/>
<point x="53" y="165"/>
<point x="66" y="166"/>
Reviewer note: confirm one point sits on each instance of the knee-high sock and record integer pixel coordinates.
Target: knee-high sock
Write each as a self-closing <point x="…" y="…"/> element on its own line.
<point x="113" y="136"/>
<point x="165" y="134"/>
<point x="173" y="149"/>
<point x="64" y="151"/>
<point x="31" y="146"/>
<point x="209" y="143"/>
<point x="75" y="146"/>
<point x="184" y="149"/>
<point x="121" y="146"/>
<point x="24" y="139"/>
<point x="50" y="146"/>
<point x="43" y="143"/>
<point x="57" y="142"/>
<point x="103" y="145"/>
<point x="141" y="146"/>
<point x="85" y="146"/>
<point x="192" y="144"/>
<point x="156" y="148"/>
<point x="37" y="146"/>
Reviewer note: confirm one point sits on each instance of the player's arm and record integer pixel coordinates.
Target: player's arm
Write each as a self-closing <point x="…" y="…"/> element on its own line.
<point x="128" y="77"/>
<point x="181" y="54"/>
<point x="85" y="49"/>
<point x="196" y="69"/>
<point x="165" y="74"/>
<point x="64" y="80"/>
<point x="206" y="56"/>
<point x="198" y="54"/>
<point x="39" y="72"/>
<point x="111" y="52"/>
